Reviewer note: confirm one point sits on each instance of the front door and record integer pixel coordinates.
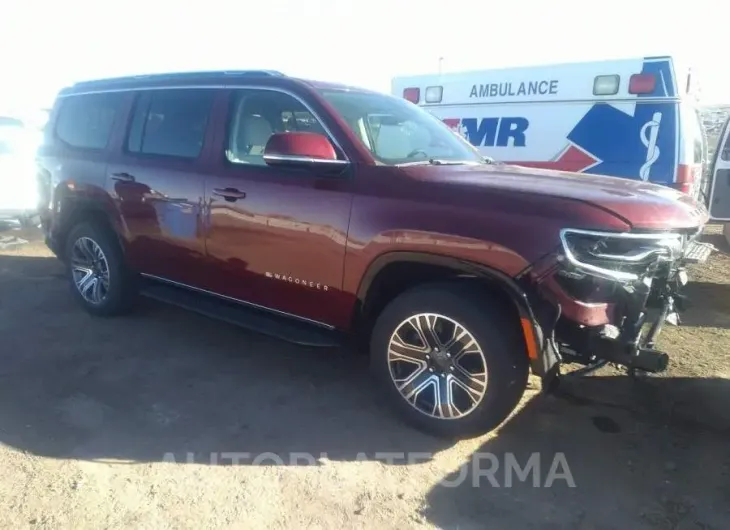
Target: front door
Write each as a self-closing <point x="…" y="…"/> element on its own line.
<point x="720" y="194"/>
<point x="276" y="237"/>
<point x="157" y="180"/>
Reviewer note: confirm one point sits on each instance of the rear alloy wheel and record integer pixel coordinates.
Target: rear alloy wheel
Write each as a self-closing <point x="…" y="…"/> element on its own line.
<point x="450" y="363"/>
<point x="90" y="270"/>
<point x="97" y="271"/>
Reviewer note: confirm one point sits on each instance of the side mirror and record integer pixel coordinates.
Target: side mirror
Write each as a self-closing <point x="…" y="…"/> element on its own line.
<point x="302" y="149"/>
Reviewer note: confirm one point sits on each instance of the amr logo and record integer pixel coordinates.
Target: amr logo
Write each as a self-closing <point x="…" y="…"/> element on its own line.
<point x="648" y="135"/>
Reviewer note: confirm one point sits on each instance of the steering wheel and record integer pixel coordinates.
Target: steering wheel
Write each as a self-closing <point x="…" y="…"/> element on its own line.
<point x="415" y="152"/>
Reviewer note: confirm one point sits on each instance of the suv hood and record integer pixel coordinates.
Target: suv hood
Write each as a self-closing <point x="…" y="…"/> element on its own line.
<point x="640" y="204"/>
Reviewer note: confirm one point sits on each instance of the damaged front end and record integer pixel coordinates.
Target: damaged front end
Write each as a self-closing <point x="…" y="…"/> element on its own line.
<point x="610" y="294"/>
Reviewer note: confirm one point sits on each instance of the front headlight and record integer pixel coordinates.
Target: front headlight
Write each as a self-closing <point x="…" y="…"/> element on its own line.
<point x="620" y="256"/>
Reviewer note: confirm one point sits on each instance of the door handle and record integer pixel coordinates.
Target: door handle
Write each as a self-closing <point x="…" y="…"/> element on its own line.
<point x="229" y="194"/>
<point x="123" y="177"/>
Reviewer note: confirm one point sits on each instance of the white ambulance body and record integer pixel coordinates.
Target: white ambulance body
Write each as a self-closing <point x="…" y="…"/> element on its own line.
<point x="632" y="118"/>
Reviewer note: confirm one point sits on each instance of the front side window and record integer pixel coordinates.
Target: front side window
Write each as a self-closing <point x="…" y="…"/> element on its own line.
<point x="86" y="121"/>
<point x="170" y="122"/>
<point x="256" y="115"/>
<point x="398" y="132"/>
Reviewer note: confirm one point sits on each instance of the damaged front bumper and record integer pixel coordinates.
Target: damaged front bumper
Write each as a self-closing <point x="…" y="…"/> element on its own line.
<point x="606" y="297"/>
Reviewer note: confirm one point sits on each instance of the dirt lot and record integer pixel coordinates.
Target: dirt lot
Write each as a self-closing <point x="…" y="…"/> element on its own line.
<point x="98" y="418"/>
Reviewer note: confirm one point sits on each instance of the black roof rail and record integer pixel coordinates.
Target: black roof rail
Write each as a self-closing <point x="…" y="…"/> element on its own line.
<point x="177" y="76"/>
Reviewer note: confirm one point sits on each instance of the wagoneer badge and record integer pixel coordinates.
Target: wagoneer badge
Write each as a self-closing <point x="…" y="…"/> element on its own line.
<point x="298" y="281"/>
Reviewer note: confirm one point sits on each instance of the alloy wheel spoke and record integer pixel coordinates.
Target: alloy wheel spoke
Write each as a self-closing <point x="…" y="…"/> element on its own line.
<point x="85" y="283"/>
<point x="425" y="327"/>
<point x="79" y="259"/>
<point x="400" y="350"/>
<point x="458" y="334"/>
<point x="420" y="380"/>
<point x="87" y="249"/>
<point x="96" y="291"/>
<point x="467" y="348"/>
<point x="82" y="268"/>
<point x="434" y="340"/>
<point x="444" y="406"/>
<point x="473" y="384"/>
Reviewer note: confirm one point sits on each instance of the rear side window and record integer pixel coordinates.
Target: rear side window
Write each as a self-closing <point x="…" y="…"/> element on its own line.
<point x="170" y="122"/>
<point x="86" y="121"/>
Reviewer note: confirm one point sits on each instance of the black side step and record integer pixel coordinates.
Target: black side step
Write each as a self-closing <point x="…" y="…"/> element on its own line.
<point x="253" y="319"/>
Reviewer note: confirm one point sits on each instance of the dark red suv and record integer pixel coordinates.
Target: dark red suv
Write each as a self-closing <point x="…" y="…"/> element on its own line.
<point x="317" y="213"/>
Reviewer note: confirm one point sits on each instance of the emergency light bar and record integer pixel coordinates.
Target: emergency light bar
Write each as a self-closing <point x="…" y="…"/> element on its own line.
<point x="434" y="94"/>
<point x="606" y="85"/>
<point x="412" y="94"/>
<point x="642" y="84"/>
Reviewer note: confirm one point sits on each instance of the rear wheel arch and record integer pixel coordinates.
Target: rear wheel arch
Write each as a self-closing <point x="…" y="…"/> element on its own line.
<point x="76" y="211"/>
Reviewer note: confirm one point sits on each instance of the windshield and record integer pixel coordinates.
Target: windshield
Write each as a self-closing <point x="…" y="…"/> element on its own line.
<point x="398" y="132"/>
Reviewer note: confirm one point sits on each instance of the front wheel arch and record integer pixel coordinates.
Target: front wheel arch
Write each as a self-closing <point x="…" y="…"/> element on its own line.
<point x="369" y="302"/>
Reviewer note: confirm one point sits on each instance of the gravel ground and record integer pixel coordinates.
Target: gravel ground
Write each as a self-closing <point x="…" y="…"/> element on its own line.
<point x="165" y="419"/>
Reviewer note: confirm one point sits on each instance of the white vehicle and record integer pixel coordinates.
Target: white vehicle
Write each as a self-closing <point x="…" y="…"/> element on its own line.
<point x="19" y="194"/>
<point x="631" y="118"/>
<point x="720" y="191"/>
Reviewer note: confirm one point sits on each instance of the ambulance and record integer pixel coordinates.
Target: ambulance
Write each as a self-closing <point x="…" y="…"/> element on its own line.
<point x="631" y="118"/>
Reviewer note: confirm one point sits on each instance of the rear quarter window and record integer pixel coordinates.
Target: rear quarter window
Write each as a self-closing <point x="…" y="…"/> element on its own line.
<point x="86" y="121"/>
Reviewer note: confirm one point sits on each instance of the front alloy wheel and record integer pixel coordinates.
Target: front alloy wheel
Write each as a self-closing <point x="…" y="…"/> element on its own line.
<point x="450" y="358"/>
<point x="437" y="366"/>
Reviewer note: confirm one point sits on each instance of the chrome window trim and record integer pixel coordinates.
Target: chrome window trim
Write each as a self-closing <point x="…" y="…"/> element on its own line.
<point x="237" y="300"/>
<point x="140" y="88"/>
<point x="270" y="88"/>
<point x="305" y="159"/>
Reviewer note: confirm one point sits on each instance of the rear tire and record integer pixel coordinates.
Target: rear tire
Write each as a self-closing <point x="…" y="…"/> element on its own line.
<point x="500" y="348"/>
<point x="97" y="272"/>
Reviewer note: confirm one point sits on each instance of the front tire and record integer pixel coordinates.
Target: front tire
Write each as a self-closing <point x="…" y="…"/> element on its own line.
<point x="98" y="274"/>
<point x="450" y="363"/>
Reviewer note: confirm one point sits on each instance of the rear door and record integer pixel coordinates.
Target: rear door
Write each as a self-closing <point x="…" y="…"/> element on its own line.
<point x="157" y="180"/>
<point x="76" y="148"/>
<point x="720" y="195"/>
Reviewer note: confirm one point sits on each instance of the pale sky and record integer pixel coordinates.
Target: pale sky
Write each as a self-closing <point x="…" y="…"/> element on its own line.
<point x="46" y="45"/>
